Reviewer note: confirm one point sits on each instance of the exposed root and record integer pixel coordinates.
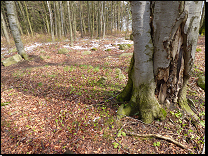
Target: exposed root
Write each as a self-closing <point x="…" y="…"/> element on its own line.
<point x="160" y="137"/>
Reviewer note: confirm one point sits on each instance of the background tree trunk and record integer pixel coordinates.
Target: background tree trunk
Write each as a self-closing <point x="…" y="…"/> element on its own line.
<point x="18" y="24"/>
<point x="24" y="18"/>
<point x="70" y="26"/>
<point x="174" y="51"/>
<point x="74" y="21"/>
<point x="28" y="19"/>
<point x="93" y="26"/>
<point x="80" y="16"/>
<point x="5" y="28"/>
<point x="14" y="29"/>
<point x="58" y="21"/>
<point x="62" y="18"/>
<point x="104" y="19"/>
<point x="51" y="21"/>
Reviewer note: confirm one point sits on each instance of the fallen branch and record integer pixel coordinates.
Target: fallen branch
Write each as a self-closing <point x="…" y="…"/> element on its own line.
<point x="160" y="137"/>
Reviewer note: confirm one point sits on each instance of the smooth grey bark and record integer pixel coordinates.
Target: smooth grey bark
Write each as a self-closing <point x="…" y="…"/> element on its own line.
<point x="142" y="96"/>
<point x="14" y="29"/>
<point x="164" y="50"/>
<point x="70" y="25"/>
<point x="51" y="21"/>
<point x="4" y="28"/>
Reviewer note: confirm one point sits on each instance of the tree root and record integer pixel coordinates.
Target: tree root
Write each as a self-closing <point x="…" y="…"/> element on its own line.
<point x="160" y="137"/>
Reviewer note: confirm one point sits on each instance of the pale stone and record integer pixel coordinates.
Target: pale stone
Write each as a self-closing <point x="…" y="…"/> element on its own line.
<point x="12" y="60"/>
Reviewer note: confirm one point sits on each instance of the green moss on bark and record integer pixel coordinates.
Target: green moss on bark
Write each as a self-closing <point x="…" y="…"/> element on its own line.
<point x="183" y="103"/>
<point x="144" y="103"/>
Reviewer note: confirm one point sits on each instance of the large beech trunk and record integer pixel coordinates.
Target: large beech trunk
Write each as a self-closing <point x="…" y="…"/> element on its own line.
<point x="165" y="39"/>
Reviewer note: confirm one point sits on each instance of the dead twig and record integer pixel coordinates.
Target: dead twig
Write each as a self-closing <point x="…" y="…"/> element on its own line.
<point x="118" y="142"/>
<point x="160" y="137"/>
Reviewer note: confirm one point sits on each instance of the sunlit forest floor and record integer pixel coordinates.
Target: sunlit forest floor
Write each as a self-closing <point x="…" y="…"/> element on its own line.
<point x="54" y="102"/>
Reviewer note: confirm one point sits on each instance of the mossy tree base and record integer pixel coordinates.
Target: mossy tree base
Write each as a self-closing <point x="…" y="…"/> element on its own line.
<point x="25" y="56"/>
<point x="141" y="100"/>
<point x="143" y="103"/>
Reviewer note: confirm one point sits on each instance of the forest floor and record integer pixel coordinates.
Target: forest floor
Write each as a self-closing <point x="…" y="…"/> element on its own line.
<point x="53" y="102"/>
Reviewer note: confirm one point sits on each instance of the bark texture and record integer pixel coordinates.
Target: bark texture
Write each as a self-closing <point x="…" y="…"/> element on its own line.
<point x="141" y="86"/>
<point x="14" y="29"/>
<point x="165" y="38"/>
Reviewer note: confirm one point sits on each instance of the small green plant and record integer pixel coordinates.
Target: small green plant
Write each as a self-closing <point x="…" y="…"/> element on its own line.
<point x="42" y="51"/>
<point x="198" y="49"/>
<point x="90" y="67"/>
<point x="5" y="103"/>
<point x="66" y="68"/>
<point x="40" y="84"/>
<point x="121" y="133"/>
<point x="41" y="57"/>
<point x="96" y="69"/>
<point x="116" y="145"/>
<point x="156" y="144"/>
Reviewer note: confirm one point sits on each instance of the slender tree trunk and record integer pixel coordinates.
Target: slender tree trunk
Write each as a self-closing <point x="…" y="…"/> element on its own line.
<point x="14" y="29"/>
<point x="88" y="17"/>
<point x="162" y="60"/>
<point x="18" y="24"/>
<point x="106" y="18"/>
<point x="45" y="17"/>
<point x="70" y="26"/>
<point x="83" y="22"/>
<point x="93" y="24"/>
<point x="112" y="17"/>
<point x="80" y="16"/>
<point x="58" y="20"/>
<point x="118" y="15"/>
<point x="28" y="19"/>
<point x="98" y="19"/>
<point x="62" y="18"/>
<point x="103" y="19"/>
<point x="24" y="17"/>
<point x="51" y="21"/>
<point x="127" y="21"/>
<point x="4" y="28"/>
<point x="74" y="21"/>
<point x="55" y="17"/>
